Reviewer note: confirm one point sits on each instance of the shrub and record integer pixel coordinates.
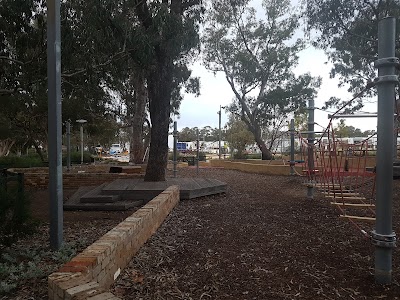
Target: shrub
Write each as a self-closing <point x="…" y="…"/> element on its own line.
<point x="19" y="264"/>
<point x="76" y="158"/>
<point x="239" y="155"/>
<point x="253" y="156"/>
<point x="15" y="215"/>
<point x="26" y="161"/>
<point x="202" y="156"/>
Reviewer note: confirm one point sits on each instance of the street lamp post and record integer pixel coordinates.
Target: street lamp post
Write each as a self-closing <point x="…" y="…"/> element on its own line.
<point x="81" y="121"/>
<point x="219" y="130"/>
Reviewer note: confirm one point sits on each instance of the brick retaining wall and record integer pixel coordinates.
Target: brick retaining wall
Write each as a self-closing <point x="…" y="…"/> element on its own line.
<point x="91" y="175"/>
<point x="255" y="168"/>
<point x="90" y="274"/>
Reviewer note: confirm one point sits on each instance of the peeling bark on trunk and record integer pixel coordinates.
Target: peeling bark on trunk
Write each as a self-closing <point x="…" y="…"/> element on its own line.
<point x="137" y="146"/>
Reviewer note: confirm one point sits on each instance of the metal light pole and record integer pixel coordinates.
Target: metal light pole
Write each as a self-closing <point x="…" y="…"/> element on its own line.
<point x="68" y="129"/>
<point x="311" y="138"/>
<point x="54" y="123"/>
<point x="81" y="121"/>
<point x="219" y="131"/>
<point x="383" y="236"/>
<point x="175" y="153"/>
<point x="198" y="150"/>
<point x="292" y="163"/>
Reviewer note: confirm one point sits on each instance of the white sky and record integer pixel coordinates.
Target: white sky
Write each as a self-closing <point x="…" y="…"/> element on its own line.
<point x="215" y="91"/>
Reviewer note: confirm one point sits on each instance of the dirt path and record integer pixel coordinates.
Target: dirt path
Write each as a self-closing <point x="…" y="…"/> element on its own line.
<point x="263" y="240"/>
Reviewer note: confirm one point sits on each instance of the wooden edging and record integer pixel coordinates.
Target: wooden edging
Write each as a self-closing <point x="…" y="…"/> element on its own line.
<point x="358" y="218"/>
<point x="353" y="204"/>
<point x="90" y="274"/>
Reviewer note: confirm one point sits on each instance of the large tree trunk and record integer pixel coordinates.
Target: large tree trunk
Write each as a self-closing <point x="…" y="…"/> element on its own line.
<point x="159" y="85"/>
<point x="266" y="153"/>
<point x="38" y="150"/>
<point x="136" y="146"/>
<point x="5" y="146"/>
<point x="254" y="128"/>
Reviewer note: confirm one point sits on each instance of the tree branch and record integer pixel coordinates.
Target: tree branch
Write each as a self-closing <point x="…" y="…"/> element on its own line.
<point x="143" y="13"/>
<point x="11" y="59"/>
<point x="109" y="61"/>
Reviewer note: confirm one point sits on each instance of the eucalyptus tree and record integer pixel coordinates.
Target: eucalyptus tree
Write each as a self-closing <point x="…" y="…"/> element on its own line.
<point x="348" y="33"/>
<point x="238" y="136"/>
<point x="23" y="71"/>
<point x="257" y="56"/>
<point x="188" y="134"/>
<point x="167" y="34"/>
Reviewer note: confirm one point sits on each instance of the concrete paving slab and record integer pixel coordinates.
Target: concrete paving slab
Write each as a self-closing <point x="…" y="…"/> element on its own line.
<point x="119" y="193"/>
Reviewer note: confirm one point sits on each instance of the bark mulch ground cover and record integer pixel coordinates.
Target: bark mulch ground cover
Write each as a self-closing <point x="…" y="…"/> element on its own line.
<point x="262" y="240"/>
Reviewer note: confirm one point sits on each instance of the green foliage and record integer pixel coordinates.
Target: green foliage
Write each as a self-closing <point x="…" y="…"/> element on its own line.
<point x="202" y="156"/>
<point x="347" y="31"/>
<point x="257" y="56"/>
<point x="342" y="130"/>
<point x="21" y="264"/>
<point x="76" y="158"/>
<point x="67" y="251"/>
<point x="253" y="156"/>
<point x="15" y="216"/>
<point x="25" y="161"/>
<point x="207" y="133"/>
<point x="238" y="136"/>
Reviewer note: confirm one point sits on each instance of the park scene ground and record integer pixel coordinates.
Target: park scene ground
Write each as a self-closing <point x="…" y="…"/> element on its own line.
<point x="263" y="239"/>
<point x="82" y="79"/>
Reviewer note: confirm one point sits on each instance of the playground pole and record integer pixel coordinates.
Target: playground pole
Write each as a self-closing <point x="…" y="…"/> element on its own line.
<point x="292" y="163"/>
<point x="311" y="137"/>
<point x="198" y="150"/>
<point x="383" y="236"/>
<point x="54" y="123"/>
<point x="219" y="132"/>
<point x="175" y="156"/>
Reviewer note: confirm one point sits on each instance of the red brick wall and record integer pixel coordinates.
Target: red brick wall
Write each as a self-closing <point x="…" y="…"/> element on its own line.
<point x="95" y="175"/>
<point x="94" y="270"/>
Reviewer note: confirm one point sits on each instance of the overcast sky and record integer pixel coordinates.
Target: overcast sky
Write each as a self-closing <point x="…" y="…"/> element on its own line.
<point x="215" y="91"/>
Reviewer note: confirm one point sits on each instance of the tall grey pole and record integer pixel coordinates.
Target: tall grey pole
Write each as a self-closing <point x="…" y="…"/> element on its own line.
<point x="198" y="150"/>
<point x="219" y="133"/>
<point x="292" y="163"/>
<point x="68" y="129"/>
<point x="175" y="156"/>
<point x="311" y="137"/>
<point x="54" y="123"/>
<point x="81" y="144"/>
<point x="395" y="134"/>
<point x="383" y="236"/>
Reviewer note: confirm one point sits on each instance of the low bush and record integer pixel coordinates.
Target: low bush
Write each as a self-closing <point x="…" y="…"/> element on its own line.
<point x="253" y="156"/>
<point x="19" y="265"/>
<point x="25" y="161"/>
<point x="15" y="214"/>
<point x="76" y="158"/>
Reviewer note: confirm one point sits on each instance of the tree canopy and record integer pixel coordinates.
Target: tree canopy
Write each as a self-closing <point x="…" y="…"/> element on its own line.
<point x="257" y="56"/>
<point x="238" y="136"/>
<point x="348" y="32"/>
<point x="119" y="59"/>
